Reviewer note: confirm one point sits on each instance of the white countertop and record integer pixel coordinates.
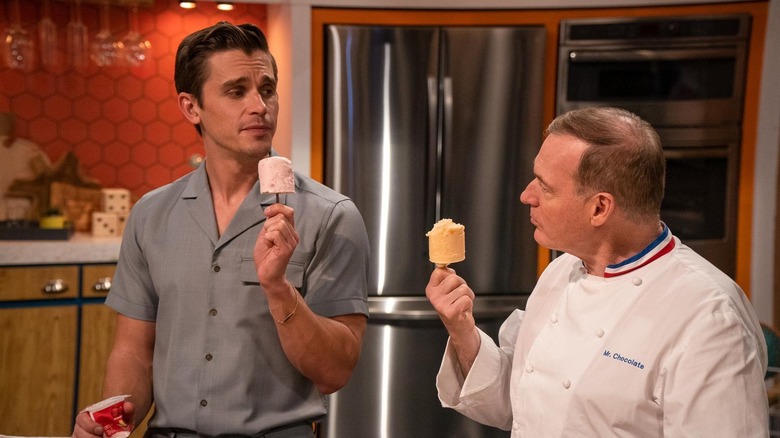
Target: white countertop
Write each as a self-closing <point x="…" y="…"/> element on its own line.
<point x="80" y="248"/>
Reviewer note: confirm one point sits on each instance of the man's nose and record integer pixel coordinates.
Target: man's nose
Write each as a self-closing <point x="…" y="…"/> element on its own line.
<point x="527" y="196"/>
<point x="258" y="104"/>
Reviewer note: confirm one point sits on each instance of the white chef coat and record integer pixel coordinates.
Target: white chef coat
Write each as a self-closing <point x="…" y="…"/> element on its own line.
<point x="664" y="345"/>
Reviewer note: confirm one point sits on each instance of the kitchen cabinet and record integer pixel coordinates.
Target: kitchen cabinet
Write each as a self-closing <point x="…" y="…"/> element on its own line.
<point x="38" y="347"/>
<point x="38" y="339"/>
<point x="55" y="337"/>
<point x="97" y="326"/>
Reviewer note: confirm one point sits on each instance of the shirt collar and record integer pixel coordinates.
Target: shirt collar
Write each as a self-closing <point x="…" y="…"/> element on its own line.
<point x="663" y="244"/>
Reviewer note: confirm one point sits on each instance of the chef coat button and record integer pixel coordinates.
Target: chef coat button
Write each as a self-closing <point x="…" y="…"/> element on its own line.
<point x="637" y="281"/>
<point x="554" y="318"/>
<point x="217" y="268"/>
<point x="529" y="368"/>
<point x="567" y="383"/>
<point x="203" y="403"/>
<point x="209" y="357"/>
<point x="213" y="312"/>
<point x="599" y="333"/>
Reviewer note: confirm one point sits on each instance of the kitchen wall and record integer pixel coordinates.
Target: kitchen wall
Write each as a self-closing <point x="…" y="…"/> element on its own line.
<point x="122" y="123"/>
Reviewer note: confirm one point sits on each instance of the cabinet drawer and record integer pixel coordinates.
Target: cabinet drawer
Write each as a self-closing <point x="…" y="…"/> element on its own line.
<point x="96" y="280"/>
<point x="38" y="283"/>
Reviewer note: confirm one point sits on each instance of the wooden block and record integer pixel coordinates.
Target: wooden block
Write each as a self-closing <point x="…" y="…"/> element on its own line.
<point x="104" y="224"/>
<point x="115" y="200"/>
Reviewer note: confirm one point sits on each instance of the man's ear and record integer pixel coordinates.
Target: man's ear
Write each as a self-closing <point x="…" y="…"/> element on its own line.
<point x="189" y="107"/>
<point x="603" y="206"/>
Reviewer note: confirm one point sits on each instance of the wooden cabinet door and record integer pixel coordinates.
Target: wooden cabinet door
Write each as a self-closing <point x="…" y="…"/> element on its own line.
<point x="98" y="325"/>
<point x="37" y="370"/>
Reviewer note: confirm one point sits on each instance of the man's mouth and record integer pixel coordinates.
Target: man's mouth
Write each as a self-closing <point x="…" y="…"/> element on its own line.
<point x="256" y="129"/>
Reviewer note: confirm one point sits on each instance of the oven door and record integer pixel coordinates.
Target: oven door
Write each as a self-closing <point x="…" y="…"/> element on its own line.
<point x="700" y="200"/>
<point x="695" y="86"/>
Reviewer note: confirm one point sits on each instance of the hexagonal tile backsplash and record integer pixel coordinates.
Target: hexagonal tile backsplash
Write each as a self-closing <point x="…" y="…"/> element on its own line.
<point x="122" y="123"/>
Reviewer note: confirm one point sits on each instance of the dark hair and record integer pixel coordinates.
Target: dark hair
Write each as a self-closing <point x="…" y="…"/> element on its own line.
<point x="191" y="69"/>
<point x="624" y="158"/>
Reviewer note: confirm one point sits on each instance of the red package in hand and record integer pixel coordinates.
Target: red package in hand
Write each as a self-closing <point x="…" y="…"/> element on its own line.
<point x="110" y="414"/>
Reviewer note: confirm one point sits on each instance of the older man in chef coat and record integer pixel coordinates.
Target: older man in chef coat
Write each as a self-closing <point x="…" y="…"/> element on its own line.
<point x="630" y="332"/>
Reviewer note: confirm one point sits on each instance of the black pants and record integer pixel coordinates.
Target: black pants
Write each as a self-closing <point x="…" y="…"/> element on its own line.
<point x="298" y="430"/>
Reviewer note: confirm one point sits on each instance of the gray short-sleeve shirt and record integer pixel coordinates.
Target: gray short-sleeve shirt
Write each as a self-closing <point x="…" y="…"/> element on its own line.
<point x="218" y="364"/>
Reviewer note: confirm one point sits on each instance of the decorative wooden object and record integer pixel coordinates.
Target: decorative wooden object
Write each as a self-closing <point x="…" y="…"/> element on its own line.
<point x="73" y="191"/>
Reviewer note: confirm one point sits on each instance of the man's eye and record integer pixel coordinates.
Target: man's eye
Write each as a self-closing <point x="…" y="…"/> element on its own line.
<point x="235" y="92"/>
<point x="268" y="91"/>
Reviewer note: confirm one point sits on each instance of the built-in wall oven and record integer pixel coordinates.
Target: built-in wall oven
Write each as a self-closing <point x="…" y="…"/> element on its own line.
<point x="684" y="75"/>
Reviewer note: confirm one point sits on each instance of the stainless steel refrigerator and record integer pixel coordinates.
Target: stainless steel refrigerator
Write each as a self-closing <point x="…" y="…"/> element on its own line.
<point x="425" y="123"/>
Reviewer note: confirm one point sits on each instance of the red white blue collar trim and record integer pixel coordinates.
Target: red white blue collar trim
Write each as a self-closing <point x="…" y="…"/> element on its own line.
<point x="663" y="244"/>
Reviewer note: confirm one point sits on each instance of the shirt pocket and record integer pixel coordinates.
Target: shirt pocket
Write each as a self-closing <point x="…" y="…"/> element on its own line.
<point x="294" y="272"/>
<point x="248" y="272"/>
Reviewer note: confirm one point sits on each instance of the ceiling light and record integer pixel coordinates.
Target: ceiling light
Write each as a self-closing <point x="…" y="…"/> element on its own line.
<point x="222" y="6"/>
<point x="187" y="4"/>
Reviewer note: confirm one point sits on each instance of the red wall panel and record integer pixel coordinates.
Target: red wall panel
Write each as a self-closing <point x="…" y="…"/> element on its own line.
<point x="121" y="122"/>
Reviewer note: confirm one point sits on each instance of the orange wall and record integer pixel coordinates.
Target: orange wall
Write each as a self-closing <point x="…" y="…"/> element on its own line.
<point x="122" y="123"/>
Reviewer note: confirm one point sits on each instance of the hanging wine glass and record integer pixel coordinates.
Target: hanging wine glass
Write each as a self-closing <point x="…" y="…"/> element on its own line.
<point x="78" y="39"/>
<point x="47" y="35"/>
<point x="105" y="44"/>
<point x="134" y="46"/>
<point x="18" y="47"/>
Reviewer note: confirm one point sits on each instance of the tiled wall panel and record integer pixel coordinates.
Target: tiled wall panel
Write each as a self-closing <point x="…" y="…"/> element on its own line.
<point x="121" y="122"/>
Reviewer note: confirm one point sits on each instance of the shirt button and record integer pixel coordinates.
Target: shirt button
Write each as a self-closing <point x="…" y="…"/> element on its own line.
<point x="637" y="281"/>
<point x="209" y="357"/>
<point x="217" y="268"/>
<point x="554" y="318"/>
<point x="567" y="383"/>
<point x="529" y="368"/>
<point x="600" y="333"/>
<point x="203" y="403"/>
<point x="213" y="312"/>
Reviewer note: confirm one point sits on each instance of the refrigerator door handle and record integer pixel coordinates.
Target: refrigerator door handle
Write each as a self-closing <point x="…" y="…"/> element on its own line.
<point x="433" y="139"/>
<point x="432" y="92"/>
<point x="447" y="111"/>
<point x="446" y="130"/>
